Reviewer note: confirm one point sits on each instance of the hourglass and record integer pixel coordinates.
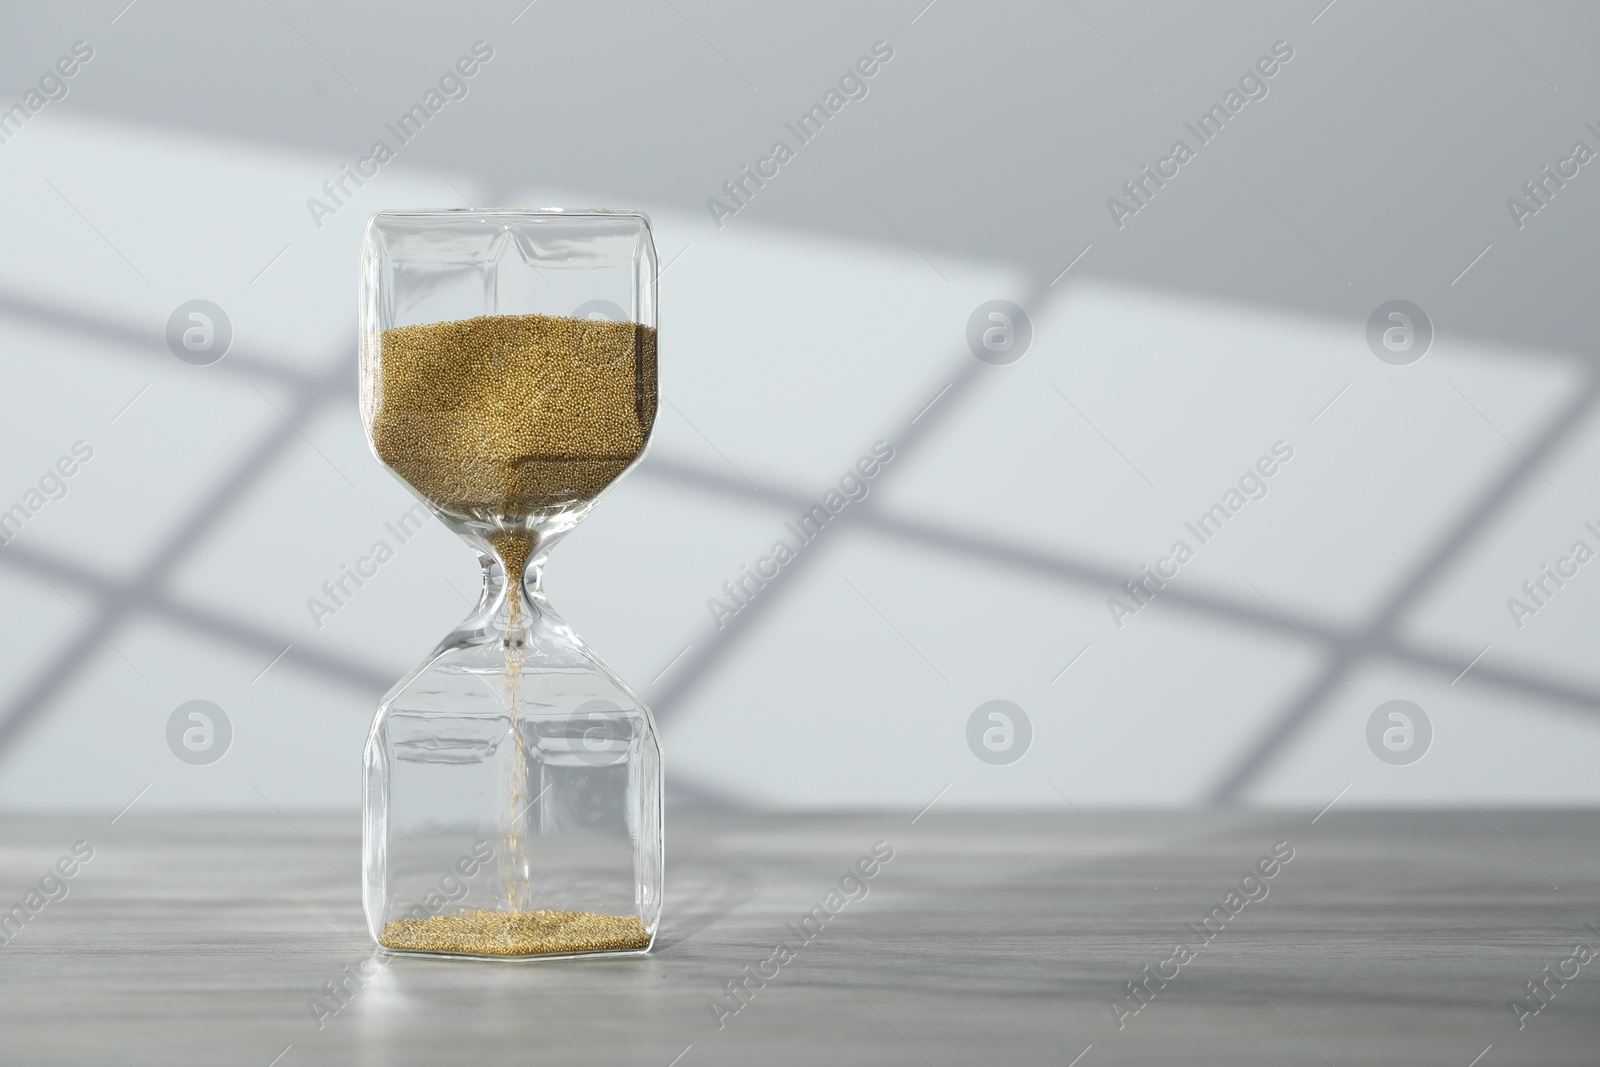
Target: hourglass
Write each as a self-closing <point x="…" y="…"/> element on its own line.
<point x="513" y="781"/>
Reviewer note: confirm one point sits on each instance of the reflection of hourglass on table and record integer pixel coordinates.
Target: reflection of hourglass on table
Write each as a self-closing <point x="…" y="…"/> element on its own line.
<point x="513" y="782"/>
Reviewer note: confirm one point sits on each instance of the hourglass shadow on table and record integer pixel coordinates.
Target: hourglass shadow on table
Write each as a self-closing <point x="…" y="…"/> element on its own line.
<point x="699" y="892"/>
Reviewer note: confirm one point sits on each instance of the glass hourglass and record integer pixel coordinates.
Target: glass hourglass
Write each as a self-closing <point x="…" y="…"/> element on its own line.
<point x="513" y="795"/>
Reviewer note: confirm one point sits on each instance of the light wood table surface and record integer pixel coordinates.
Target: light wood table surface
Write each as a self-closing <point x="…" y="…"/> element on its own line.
<point x="997" y="938"/>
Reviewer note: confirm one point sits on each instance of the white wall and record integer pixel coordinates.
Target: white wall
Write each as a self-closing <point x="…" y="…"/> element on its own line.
<point x="824" y="316"/>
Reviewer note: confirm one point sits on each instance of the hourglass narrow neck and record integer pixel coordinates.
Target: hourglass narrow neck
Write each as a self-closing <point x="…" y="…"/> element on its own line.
<point x="511" y="601"/>
<point x="511" y="594"/>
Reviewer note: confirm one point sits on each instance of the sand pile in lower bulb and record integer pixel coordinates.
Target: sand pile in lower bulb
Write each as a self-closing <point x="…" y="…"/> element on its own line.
<point x="517" y="933"/>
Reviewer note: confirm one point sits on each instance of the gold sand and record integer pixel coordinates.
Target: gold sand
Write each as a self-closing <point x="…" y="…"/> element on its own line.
<point x="503" y="416"/>
<point x="517" y="933"/>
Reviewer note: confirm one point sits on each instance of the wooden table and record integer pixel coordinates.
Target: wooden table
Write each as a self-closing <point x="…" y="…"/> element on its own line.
<point x="997" y="938"/>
